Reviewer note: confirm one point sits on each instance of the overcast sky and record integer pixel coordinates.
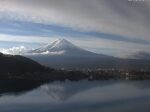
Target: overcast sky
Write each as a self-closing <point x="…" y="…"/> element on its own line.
<point x="114" y="27"/>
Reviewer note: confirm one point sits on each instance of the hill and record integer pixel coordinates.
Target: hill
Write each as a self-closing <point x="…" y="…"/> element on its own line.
<point x="19" y="64"/>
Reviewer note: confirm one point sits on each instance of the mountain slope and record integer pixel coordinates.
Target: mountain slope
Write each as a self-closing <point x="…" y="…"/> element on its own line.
<point x="63" y="54"/>
<point x="18" y="64"/>
<point x="61" y="47"/>
<point x="58" y="45"/>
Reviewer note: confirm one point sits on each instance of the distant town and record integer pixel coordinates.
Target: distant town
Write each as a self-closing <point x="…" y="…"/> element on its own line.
<point x="82" y="74"/>
<point x="106" y="74"/>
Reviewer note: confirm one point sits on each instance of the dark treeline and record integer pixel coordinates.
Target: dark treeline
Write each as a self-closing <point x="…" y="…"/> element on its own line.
<point x="21" y="68"/>
<point x="75" y="75"/>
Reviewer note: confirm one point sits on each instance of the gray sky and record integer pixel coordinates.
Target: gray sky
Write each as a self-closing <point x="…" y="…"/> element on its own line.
<point x="105" y="26"/>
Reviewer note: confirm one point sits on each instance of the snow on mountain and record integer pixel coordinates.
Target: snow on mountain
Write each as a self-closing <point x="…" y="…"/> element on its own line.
<point x="64" y="54"/>
<point x="60" y="47"/>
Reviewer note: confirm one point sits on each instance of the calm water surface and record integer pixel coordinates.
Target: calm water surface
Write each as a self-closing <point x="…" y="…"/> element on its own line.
<point x="82" y="96"/>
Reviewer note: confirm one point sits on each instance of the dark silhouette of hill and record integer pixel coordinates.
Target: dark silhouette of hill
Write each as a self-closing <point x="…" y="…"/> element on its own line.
<point x="19" y="64"/>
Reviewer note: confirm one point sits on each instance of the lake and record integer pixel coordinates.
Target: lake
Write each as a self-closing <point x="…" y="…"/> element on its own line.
<point x="81" y="96"/>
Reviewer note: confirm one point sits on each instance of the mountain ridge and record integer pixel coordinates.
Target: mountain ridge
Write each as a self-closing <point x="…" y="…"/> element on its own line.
<point x="64" y="54"/>
<point x="19" y="64"/>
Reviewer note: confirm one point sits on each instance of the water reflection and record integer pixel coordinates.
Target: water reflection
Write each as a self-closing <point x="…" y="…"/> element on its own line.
<point x="17" y="87"/>
<point x="82" y="96"/>
<point x="63" y="91"/>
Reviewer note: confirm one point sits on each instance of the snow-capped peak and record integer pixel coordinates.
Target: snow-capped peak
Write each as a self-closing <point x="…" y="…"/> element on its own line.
<point x="61" y="44"/>
<point x="57" y="46"/>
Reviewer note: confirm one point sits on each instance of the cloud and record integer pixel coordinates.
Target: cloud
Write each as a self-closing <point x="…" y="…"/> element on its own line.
<point x="121" y="17"/>
<point x="110" y="47"/>
<point x="140" y="55"/>
<point x="48" y="53"/>
<point x="22" y="50"/>
<point x="27" y="39"/>
<point x="14" y="50"/>
<point x="97" y="45"/>
<point x="105" y="26"/>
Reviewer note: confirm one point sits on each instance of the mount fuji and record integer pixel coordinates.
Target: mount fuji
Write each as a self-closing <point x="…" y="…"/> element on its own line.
<point x="61" y="47"/>
<point x="64" y="54"/>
